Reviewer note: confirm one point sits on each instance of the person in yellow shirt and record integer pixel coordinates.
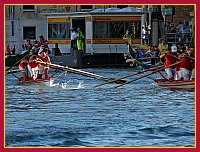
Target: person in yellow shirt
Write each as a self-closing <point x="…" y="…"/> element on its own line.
<point x="80" y="40"/>
<point x="163" y="47"/>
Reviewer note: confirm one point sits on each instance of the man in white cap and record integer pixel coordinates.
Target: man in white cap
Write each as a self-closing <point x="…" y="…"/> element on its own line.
<point x="171" y="57"/>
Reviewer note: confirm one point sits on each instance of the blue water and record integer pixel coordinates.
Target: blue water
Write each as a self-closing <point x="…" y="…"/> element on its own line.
<point x="73" y="113"/>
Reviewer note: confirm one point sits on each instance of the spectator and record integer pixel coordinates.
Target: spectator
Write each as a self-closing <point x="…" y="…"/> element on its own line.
<point x="73" y="39"/>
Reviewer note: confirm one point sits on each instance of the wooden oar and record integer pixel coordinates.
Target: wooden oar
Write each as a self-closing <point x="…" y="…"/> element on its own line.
<point x="80" y="72"/>
<point x="13" y="71"/>
<point x="129" y="75"/>
<point x="172" y="56"/>
<point x="190" y="57"/>
<point x="148" y="74"/>
<point x="186" y="56"/>
<point x="181" y="56"/>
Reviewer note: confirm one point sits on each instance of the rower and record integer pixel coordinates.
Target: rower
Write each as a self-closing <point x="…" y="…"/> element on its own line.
<point x="185" y="67"/>
<point x="33" y="66"/>
<point x="22" y="66"/>
<point x="27" y="46"/>
<point x="43" y="45"/>
<point x="171" y="58"/>
<point x="44" y="58"/>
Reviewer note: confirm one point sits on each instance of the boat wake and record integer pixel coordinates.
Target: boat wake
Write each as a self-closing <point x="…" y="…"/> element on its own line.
<point x="71" y="84"/>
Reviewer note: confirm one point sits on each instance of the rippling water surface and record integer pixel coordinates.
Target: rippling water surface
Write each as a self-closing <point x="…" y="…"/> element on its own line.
<point x="73" y="113"/>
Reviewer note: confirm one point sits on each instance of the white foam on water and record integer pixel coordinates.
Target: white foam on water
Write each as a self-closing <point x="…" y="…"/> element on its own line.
<point x="72" y="84"/>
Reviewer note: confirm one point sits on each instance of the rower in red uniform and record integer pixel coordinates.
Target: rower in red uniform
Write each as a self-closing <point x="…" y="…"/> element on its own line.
<point x="171" y="58"/>
<point x="33" y="66"/>
<point x="185" y="67"/>
<point x="45" y="68"/>
<point x="22" y="66"/>
<point x="43" y="45"/>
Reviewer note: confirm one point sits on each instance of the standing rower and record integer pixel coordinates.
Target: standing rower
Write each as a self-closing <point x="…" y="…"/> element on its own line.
<point x="43" y="45"/>
<point x="44" y="58"/>
<point x="171" y="57"/>
<point x="185" y="66"/>
<point x="33" y="66"/>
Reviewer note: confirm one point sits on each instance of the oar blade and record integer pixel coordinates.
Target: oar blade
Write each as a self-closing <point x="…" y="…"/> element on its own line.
<point x="120" y="81"/>
<point x="148" y="74"/>
<point x="12" y="71"/>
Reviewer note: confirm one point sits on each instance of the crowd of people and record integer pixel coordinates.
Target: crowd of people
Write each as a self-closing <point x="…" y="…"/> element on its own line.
<point x="184" y="32"/>
<point x="33" y="66"/>
<point x="181" y="33"/>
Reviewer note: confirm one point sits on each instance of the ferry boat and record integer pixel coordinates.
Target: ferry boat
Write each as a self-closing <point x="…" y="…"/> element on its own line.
<point x="102" y="30"/>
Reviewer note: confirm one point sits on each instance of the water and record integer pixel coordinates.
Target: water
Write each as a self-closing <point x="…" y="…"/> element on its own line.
<point x="73" y="113"/>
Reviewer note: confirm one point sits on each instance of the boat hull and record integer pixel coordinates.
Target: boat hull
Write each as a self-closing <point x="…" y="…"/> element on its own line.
<point x="44" y="81"/>
<point x="175" y="84"/>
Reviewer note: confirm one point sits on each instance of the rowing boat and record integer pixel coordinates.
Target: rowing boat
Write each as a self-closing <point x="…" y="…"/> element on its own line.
<point x="44" y="81"/>
<point x="11" y="60"/>
<point x="175" y="84"/>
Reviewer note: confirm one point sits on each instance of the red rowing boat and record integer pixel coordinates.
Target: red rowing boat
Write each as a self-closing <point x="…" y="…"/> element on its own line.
<point x="44" y="81"/>
<point x="177" y="84"/>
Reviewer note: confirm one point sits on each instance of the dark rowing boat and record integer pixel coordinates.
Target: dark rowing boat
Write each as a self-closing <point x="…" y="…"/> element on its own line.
<point x="11" y="60"/>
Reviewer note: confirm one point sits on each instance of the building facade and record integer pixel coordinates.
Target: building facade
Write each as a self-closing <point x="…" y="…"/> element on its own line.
<point x="30" y="21"/>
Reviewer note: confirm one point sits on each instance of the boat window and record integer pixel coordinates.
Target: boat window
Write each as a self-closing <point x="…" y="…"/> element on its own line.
<point x="59" y="31"/>
<point x="116" y="29"/>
